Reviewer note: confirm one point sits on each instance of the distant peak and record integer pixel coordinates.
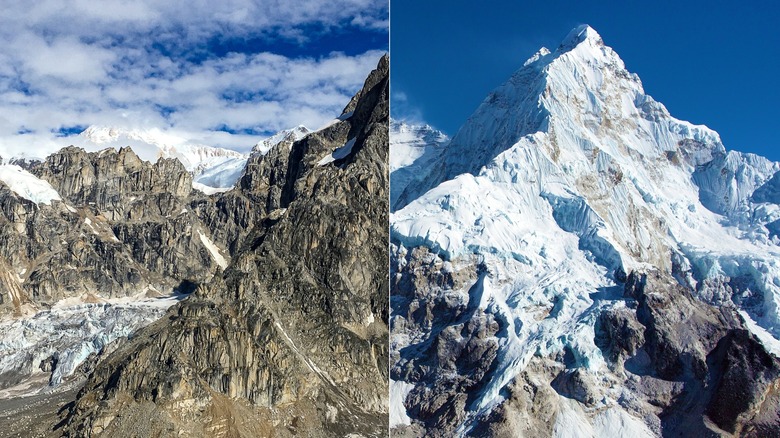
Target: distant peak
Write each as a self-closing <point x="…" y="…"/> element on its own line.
<point x="579" y="35"/>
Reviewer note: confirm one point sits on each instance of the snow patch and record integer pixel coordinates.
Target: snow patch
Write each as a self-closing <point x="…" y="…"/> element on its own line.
<point x="398" y="392"/>
<point x="338" y="154"/>
<point x="213" y="250"/>
<point x="27" y="185"/>
<point x="771" y="344"/>
<point x="208" y="189"/>
<point x="222" y="175"/>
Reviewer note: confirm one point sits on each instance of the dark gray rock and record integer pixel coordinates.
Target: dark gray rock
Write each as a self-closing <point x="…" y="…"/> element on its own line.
<point x="292" y="337"/>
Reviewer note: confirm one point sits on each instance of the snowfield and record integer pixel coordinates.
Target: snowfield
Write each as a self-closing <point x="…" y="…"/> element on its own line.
<point x="27" y="185"/>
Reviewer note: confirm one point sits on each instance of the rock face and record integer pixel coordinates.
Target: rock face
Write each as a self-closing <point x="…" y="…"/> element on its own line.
<point x="577" y="262"/>
<point x="91" y="230"/>
<point x="123" y="226"/>
<point x="291" y="338"/>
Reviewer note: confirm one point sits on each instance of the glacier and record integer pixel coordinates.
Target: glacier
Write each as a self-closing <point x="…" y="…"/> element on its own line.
<point x="414" y="147"/>
<point x="42" y="350"/>
<point x="565" y="178"/>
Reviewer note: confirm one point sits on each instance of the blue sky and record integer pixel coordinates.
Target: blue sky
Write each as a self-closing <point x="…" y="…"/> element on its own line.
<point x="715" y="63"/>
<point x="222" y="73"/>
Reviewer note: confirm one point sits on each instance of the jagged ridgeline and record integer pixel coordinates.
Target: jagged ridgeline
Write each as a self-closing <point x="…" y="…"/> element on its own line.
<point x="285" y="330"/>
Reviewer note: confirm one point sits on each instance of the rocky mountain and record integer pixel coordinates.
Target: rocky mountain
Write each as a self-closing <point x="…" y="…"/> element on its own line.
<point x="577" y="262"/>
<point x="93" y="247"/>
<point x="213" y="169"/>
<point x="210" y="166"/>
<point x="291" y="337"/>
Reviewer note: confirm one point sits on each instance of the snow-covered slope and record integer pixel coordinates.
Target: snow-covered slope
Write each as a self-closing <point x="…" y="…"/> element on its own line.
<point x="564" y="179"/>
<point x="27" y="185"/>
<point x="414" y="148"/>
<point x="293" y="134"/>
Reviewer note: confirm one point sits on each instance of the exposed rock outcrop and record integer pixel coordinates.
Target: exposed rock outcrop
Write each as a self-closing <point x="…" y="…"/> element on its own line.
<point x="292" y="338"/>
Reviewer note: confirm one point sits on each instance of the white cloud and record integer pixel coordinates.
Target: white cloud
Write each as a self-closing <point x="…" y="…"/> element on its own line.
<point x="65" y="58"/>
<point x="146" y="64"/>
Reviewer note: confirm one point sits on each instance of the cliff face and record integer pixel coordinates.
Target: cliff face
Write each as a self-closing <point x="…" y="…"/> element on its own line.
<point x="292" y="337"/>
<point x="120" y="227"/>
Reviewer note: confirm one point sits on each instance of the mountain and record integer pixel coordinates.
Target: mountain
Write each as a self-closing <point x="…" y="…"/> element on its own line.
<point x="290" y="338"/>
<point x="274" y="285"/>
<point x="214" y="169"/>
<point x="414" y="147"/>
<point x="95" y="246"/>
<point x="577" y="262"/>
<point x="210" y="166"/>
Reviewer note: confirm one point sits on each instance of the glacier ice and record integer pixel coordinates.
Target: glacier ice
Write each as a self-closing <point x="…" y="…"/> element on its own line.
<point x="70" y="332"/>
<point x="27" y="185"/>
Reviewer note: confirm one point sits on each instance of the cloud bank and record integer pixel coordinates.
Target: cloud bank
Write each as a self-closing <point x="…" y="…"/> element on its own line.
<point x="219" y="73"/>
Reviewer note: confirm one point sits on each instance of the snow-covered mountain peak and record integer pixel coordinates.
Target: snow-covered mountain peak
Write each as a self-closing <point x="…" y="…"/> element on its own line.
<point x="572" y="138"/>
<point x="109" y="134"/>
<point x="580" y="34"/>
<point x="583" y="93"/>
<point x="567" y="178"/>
<point x="211" y="166"/>
<point x="153" y="143"/>
<point x="544" y="51"/>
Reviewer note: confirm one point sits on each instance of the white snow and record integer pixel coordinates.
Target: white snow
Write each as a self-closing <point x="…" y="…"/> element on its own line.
<point x="213" y="250"/>
<point x="222" y="175"/>
<point x="290" y="135"/>
<point x="573" y="422"/>
<point x="771" y="344"/>
<point x="413" y="149"/>
<point x="208" y="189"/>
<point x="339" y="153"/>
<point x="27" y="185"/>
<point x="398" y="393"/>
<point x="338" y="119"/>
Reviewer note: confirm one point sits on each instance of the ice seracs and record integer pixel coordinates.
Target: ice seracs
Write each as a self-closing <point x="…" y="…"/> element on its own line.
<point x="62" y="338"/>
